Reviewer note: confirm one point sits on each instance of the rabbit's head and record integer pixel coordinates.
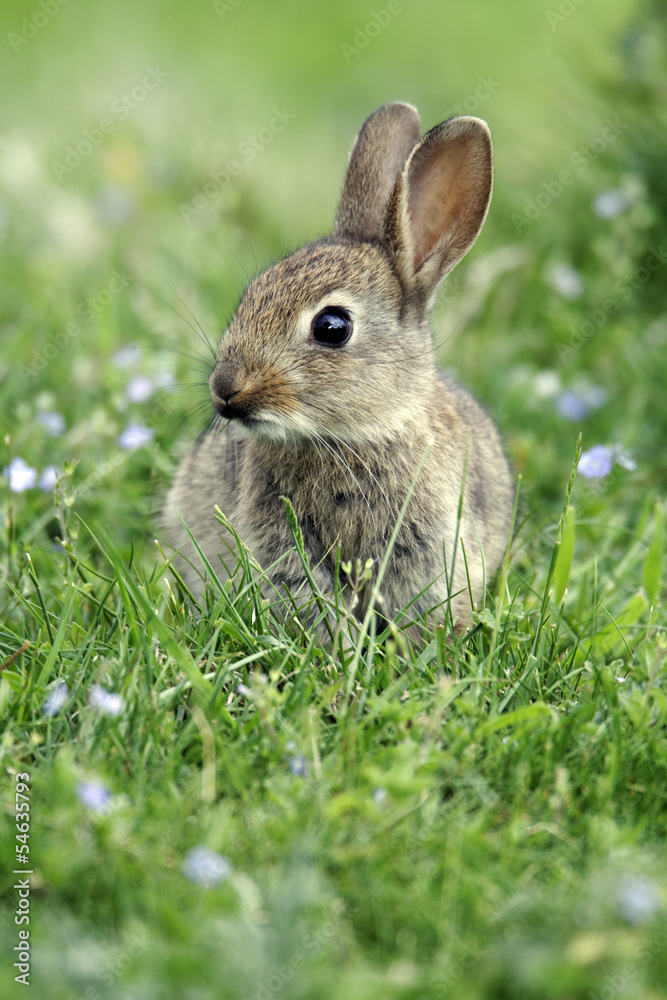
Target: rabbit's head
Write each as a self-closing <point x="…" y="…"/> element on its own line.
<point x="332" y="342"/>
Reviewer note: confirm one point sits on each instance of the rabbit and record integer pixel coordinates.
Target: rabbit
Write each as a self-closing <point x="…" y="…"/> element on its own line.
<point x="328" y="393"/>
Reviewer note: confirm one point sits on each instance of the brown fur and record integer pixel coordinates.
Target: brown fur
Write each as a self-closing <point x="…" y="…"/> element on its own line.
<point x="342" y="431"/>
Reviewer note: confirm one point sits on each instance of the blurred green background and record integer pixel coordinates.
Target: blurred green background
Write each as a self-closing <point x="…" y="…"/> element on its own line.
<point x="556" y="320"/>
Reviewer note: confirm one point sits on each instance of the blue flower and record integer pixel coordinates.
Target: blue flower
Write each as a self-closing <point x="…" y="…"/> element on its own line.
<point x="298" y="765"/>
<point x="296" y="762"/>
<point x="596" y="463"/>
<point x="574" y="404"/>
<point x="94" y="795"/>
<point x="205" y="867"/>
<point x="53" y="422"/>
<point x="134" y="436"/>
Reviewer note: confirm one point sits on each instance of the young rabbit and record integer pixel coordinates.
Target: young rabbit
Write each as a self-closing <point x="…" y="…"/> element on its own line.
<point x="329" y="395"/>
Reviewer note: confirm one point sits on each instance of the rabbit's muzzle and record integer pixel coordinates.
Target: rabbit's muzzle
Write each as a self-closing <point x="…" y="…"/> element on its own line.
<point x="251" y="397"/>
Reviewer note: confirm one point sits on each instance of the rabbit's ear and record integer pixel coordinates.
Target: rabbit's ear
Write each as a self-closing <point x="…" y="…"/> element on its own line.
<point x="386" y="140"/>
<point x="439" y="202"/>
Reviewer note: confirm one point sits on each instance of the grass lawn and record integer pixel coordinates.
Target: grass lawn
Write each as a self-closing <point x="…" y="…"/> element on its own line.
<point x="216" y="806"/>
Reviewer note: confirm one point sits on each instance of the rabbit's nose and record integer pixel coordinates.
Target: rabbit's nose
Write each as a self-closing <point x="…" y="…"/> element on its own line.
<point x="225" y="403"/>
<point x="231" y="393"/>
<point x="225" y="382"/>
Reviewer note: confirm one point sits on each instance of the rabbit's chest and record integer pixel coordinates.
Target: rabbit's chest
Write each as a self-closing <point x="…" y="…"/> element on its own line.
<point x="335" y="508"/>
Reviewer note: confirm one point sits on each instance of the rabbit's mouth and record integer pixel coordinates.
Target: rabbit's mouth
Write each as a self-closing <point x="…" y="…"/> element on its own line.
<point x="239" y="410"/>
<point x="234" y="406"/>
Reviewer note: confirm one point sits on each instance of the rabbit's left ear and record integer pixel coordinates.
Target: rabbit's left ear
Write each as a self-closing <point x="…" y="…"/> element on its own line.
<point x="382" y="147"/>
<point x="439" y="202"/>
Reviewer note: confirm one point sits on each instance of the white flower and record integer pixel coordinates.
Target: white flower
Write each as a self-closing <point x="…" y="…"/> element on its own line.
<point x="21" y="476"/>
<point x="56" y="699"/>
<point x="134" y="436"/>
<point x="565" y="280"/>
<point x="622" y="457"/>
<point x="48" y="478"/>
<point x="637" y="899"/>
<point x="546" y="384"/>
<point x="139" y="389"/>
<point x="127" y="356"/>
<point x="205" y="867"/>
<point x="610" y="203"/>
<point x="106" y="701"/>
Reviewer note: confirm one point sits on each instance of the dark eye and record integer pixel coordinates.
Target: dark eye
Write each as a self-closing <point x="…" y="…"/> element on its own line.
<point x="332" y="327"/>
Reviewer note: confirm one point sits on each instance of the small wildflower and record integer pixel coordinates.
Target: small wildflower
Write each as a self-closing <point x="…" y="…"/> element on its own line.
<point x="565" y="280"/>
<point x="622" y="457"/>
<point x="575" y="404"/>
<point x="243" y="690"/>
<point x="94" y="795"/>
<point x="53" y="422"/>
<point x="379" y="795"/>
<point x="56" y="699"/>
<point x="607" y="204"/>
<point x="139" y="389"/>
<point x="298" y="765"/>
<point x="205" y="867"/>
<point x="126" y="357"/>
<point x="21" y="476"/>
<point x="637" y="899"/>
<point x="296" y="762"/>
<point x="596" y="463"/>
<point x="106" y="701"/>
<point x="48" y="478"/>
<point x="546" y="384"/>
<point x="134" y="436"/>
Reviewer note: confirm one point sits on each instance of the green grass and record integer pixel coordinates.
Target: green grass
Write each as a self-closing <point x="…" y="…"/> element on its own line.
<point x="482" y="820"/>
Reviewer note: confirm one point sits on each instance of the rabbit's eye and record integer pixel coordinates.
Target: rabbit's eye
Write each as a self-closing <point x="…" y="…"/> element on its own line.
<point x="332" y="327"/>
